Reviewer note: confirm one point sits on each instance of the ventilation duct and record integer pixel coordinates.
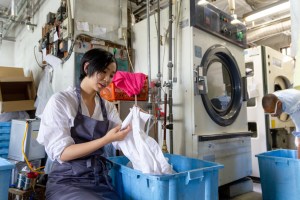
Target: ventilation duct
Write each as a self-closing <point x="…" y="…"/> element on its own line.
<point x="255" y="4"/>
<point x="268" y="31"/>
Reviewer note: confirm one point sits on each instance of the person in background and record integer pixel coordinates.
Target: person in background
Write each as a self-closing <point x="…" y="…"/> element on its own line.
<point x="287" y="101"/>
<point x="76" y="128"/>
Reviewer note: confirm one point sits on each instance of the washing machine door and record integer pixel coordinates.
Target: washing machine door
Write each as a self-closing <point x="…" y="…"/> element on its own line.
<point x="223" y="97"/>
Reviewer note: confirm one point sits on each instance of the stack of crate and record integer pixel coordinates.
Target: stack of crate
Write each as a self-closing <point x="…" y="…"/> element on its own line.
<point x="4" y="138"/>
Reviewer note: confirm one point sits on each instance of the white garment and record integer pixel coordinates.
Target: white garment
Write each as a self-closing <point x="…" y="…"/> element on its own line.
<point x="142" y="150"/>
<point x="58" y="118"/>
<point x="44" y="91"/>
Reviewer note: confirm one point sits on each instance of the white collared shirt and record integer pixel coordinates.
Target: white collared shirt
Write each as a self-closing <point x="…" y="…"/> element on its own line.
<point x="290" y="99"/>
<point x="58" y="118"/>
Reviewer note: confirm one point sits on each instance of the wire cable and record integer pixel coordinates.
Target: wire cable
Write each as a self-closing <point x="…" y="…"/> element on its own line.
<point x="43" y="67"/>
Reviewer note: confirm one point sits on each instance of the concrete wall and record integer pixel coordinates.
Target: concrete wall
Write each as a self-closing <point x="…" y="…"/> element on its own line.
<point x="22" y="52"/>
<point x="7" y="54"/>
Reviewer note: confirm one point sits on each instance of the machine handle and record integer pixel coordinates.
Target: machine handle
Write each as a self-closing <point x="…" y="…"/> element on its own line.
<point x="200" y="82"/>
<point x="281" y="162"/>
<point x="193" y="175"/>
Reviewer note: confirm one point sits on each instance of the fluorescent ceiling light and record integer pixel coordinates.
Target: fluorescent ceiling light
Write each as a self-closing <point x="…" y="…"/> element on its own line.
<point x="268" y="10"/>
<point x="202" y="2"/>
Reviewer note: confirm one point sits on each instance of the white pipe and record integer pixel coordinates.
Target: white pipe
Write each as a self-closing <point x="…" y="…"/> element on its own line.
<point x="149" y="59"/>
<point x="267" y="31"/>
<point x="8" y="26"/>
<point x="1" y="27"/>
<point x="231" y="5"/>
<point x="295" y="17"/>
<point x="70" y="20"/>
<point x="13" y="8"/>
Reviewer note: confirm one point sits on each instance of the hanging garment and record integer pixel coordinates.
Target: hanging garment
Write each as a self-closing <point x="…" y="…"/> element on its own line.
<point x="130" y="83"/>
<point x="87" y="177"/>
<point x="142" y="150"/>
<point x="44" y="91"/>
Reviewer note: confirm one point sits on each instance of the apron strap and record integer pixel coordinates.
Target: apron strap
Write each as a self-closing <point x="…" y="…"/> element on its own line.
<point x="102" y="104"/>
<point x="77" y="90"/>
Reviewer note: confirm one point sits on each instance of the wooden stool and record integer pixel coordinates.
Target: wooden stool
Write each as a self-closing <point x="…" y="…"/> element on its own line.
<point x="39" y="193"/>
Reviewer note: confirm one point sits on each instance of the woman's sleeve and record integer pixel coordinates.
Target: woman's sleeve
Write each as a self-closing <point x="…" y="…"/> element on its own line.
<point x="55" y="127"/>
<point x="112" y="113"/>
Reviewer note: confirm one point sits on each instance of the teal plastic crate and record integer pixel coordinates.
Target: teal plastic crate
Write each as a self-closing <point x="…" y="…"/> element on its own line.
<point x="5" y="174"/>
<point x="194" y="179"/>
<point x="5" y="131"/>
<point x="279" y="175"/>
<point x="4" y="138"/>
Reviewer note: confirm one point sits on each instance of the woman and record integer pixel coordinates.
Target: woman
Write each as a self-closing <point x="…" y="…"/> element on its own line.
<point x="76" y="125"/>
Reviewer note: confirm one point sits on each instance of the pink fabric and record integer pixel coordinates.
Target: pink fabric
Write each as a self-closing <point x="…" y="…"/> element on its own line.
<point x="130" y="83"/>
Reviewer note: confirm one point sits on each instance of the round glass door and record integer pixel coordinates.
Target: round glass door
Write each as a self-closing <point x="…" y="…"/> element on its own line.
<point x="223" y="99"/>
<point x="219" y="86"/>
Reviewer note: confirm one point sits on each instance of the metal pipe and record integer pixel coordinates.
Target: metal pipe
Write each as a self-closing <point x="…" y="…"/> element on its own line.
<point x="20" y="12"/>
<point x="70" y="20"/>
<point x="1" y="30"/>
<point x="164" y="146"/>
<point x="13" y="11"/>
<point x="1" y="27"/>
<point x="170" y="84"/>
<point x="231" y="5"/>
<point x="158" y="99"/>
<point x="148" y="58"/>
<point x="177" y="11"/>
<point x="163" y="4"/>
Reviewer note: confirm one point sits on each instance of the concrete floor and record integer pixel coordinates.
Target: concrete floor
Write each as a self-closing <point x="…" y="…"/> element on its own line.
<point x="254" y="195"/>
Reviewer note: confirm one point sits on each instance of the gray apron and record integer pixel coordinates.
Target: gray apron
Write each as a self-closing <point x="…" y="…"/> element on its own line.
<point x="84" y="178"/>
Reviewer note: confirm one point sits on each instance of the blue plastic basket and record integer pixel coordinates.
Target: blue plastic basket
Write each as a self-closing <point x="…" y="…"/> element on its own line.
<point x="279" y="175"/>
<point x="5" y="174"/>
<point x="195" y="179"/>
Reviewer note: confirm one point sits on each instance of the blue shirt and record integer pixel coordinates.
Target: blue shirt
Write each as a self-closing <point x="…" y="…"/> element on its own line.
<point x="290" y="99"/>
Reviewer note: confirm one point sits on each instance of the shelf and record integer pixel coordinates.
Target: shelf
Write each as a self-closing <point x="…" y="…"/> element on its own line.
<point x="15" y="79"/>
<point x="13" y="106"/>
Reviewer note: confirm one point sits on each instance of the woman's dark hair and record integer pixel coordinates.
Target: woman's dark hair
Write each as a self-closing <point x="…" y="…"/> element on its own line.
<point x="98" y="60"/>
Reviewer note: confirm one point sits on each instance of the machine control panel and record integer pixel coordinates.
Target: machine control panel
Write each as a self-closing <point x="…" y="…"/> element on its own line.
<point x="210" y="19"/>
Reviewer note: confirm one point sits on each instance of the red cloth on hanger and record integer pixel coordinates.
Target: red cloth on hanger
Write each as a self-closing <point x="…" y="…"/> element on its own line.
<point x="130" y="83"/>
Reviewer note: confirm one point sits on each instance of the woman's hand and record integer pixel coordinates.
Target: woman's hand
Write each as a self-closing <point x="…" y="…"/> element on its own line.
<point x="79" y="150"/>
<point x="116" y="134"/>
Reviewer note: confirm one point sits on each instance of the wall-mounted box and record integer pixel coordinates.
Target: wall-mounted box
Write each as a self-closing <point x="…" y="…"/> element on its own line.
<point x="32" y="149"/>
<point x="17" y="92"/>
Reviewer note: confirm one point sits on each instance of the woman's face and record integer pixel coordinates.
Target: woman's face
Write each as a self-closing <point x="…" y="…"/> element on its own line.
<point x="103" y="79"/>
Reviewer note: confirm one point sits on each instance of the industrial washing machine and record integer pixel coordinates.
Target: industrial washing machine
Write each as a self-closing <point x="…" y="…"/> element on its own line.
<point x="268" y="70"/>
<point x="215" y="89"/>
<point x="209" y="85"/>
